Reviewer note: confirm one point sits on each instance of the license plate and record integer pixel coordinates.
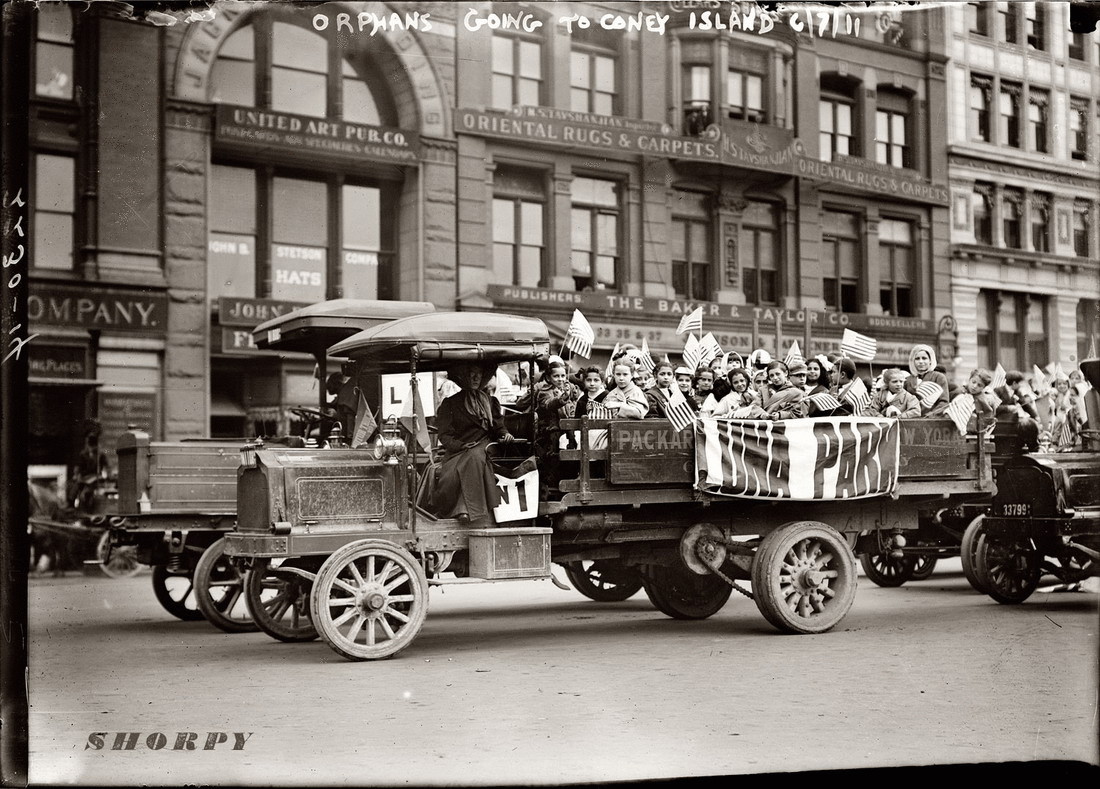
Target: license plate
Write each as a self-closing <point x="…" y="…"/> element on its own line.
<point x="1014" y="510"/>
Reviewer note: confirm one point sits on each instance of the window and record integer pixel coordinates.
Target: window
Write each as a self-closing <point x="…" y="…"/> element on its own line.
<point x="840" y="261"/>
<point x="697" y="114"/>
<point x="896" y="267"/>
<point x="1088" y="328"/>
<point x="517" y="71"/>
<point x="1012" y="330"/>
<point x="1078" y="128"/>
<point x="891" y="130"/>
<point x="54" y="211"/>
<point x="1011" y="218"/>
<point x="1035" y="25"/>
<point x="1038" y="103"/>
<point x="296" y="238"/>
<point x="1081" y="229"/>
<point x="1008" y="117"/>
<point x="760" y="253"/>
<point x="289" y="64"/>
<point x="983" y="213"/>
<point x="981" y="91"/>
<point x="836" y="137"/>
<point x="977" y="18"/>
<point x="592" y="73"/>
<point x="1009" y="21"/>
<point x="691" y="248"/>
<point x="518" y="222"/>
<point x="53" y="51"/>
<point x="595" y="222"/>
<point x="1076" y="46"/>
<point x="1040" y="222"/>
<point x="745" y="96"/>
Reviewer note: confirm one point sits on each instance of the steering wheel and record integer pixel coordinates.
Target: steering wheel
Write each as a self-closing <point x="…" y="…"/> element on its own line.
<point x="308" y="414"/>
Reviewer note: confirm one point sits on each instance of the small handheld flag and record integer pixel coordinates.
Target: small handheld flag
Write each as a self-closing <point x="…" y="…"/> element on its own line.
<point x="599" y="411"/>
<point x="611" y="362"/>
<point x="794" y="355"/>
<point x="646" y="359"/>
<point x="824" y="401"/>
<point x="692" y="353"/>
<point x="999" y="376"/>
<point x="693" y="321"/>
<point x="678" y="410"/>
<point x="709" y="349"/>
<point x="960" y="410"/>
<point x="365" y="424"/>
<point x="580" y="336"/>
<point x="856" y="395"/>
<point x="858" y="346"/>
<point x="928" y="393"/>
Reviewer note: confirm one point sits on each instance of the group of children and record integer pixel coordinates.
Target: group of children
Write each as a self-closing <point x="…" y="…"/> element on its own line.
<point x="760" y="387"/>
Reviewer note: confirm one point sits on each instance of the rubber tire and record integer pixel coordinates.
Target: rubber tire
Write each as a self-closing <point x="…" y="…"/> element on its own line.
<point x="924" y="567"/>
<point x="770" y="591"/>
<point x="882" y="570"/>
<point x="676" y="591"/>
<point x="178" y="608"/>
<point x="296" y="587"/>
<point x="415" y="586"/>
<point x="604" y="580"/>
<point x="214" y="568"/>
<point x="967" y="553"/>
<point x="1010" y="571"/>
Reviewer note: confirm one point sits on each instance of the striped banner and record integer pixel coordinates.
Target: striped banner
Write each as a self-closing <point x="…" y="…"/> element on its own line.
<point x="598" y="411"/>
<point x="797" y="459"/>
<point x="794" y="355"/>
<point x="692" y="353"/>
<point x="858" y="346"/>
<point x="709" y="349"/>
<point x="646" y="360"/>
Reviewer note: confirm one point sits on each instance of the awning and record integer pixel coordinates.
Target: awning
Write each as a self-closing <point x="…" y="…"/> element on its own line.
<point x="37" y="381"/>
<point x="223" y="405"/>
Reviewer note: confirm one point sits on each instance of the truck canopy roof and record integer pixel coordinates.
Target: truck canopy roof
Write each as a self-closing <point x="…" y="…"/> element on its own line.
<point x="442" y="338"/>
<point x="314" y="328"/>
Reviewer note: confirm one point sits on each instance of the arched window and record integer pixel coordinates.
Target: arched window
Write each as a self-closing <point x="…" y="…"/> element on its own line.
<point x="281" y="65"/>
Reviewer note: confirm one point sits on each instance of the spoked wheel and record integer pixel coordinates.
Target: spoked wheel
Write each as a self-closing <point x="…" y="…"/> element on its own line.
<point x="175" y="591"/>
<point x="680" y="593"/>
<point x="886" y="570"/>
<point x="1009" y="567"/>
<point x="119" y="561"/>
<point x="279" y="601"/>
<point x="219" y="587"/>
<point x="804" y="577"/>
<point x="369" y="600"/>
<point x="604" y="580"/>
<point x="924" y="568"/>
<point x="968" y="553"/>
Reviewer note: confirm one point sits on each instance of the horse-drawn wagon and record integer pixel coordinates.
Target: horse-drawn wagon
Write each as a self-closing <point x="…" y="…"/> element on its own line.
<point x="688" y="514"/>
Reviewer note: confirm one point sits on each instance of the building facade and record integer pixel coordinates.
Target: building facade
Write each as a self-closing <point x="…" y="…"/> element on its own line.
<point x="1024" y="167"/>
<point x="789" y="174"/>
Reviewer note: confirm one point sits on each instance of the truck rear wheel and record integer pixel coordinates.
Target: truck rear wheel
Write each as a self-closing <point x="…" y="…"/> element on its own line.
<point x="279" y="601"/>
<point x="219" y="591"/>
<point x="804" y="577"/>
<point x="1009" y="568"/>
<point x="885" y="570"/>
<point x="604" y="580"/>
<point x="369" y="600"/>
<point x="175" y="591"/>
<point x="676" y="591"/>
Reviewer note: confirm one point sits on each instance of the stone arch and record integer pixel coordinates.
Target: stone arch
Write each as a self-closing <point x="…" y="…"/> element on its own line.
<point x="417" y="90"/>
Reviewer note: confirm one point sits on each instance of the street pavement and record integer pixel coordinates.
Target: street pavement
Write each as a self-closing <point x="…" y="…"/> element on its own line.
<point x="524" y="683"/>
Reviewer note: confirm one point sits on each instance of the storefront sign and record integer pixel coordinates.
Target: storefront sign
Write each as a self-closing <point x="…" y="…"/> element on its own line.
<point x="107" y="309"/>
<point x="119" y="410"/>
<point x="266" y="130"/>
<point x="58" y="361"/>
<point x="851" y="173"/>
<point x="298" y="272"/>
<point x="252" y="312"/>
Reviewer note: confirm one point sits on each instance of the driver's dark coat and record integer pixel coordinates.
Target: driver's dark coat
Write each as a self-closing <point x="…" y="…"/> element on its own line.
<point x="466" y="483"/>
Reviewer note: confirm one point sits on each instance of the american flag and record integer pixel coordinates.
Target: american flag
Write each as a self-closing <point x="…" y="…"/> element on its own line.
<point x="611" y="362"/>
<point x="928" y="393"/>
<point x="858" y="346"/>
<point x="598" y="411"/>
<point x="580" y="336"/>
<point x="856" y="394"/>
<point x="794" y="355"/>
<point x="693" y="321"/>
<point x="678" y="410"/>
<point x="365" y="424"/>
<point x="999" y="376"/>
<point x="692" y="353"/>
<point x="1038" y="380"/>
<point x="1066" y="436"/>
<point x="709" y="349"/>
<point x="824" y="401"/>
<point x="646" y="360"/>
<point x="960" y="410"/>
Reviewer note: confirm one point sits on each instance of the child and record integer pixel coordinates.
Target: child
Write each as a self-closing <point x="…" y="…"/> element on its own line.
<point x="684" y="377"/>
<point x="741" y="396"/>
<point x="784" y="399"/>
<point x="626" y="400"/>
<point x="661" y="393"/>
<point x="594" y="390"/>
<point x="892" y="400"/>
<point x="983" y="403"/>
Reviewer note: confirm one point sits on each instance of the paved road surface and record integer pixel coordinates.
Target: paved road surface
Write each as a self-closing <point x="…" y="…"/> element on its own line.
<point x="522" y="682"/>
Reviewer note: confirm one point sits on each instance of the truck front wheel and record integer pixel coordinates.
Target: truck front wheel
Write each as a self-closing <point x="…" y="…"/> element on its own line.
<point x="804" y="577"/>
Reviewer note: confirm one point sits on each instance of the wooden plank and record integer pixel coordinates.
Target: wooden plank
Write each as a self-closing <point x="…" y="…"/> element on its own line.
<point x="649" y="452"/>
